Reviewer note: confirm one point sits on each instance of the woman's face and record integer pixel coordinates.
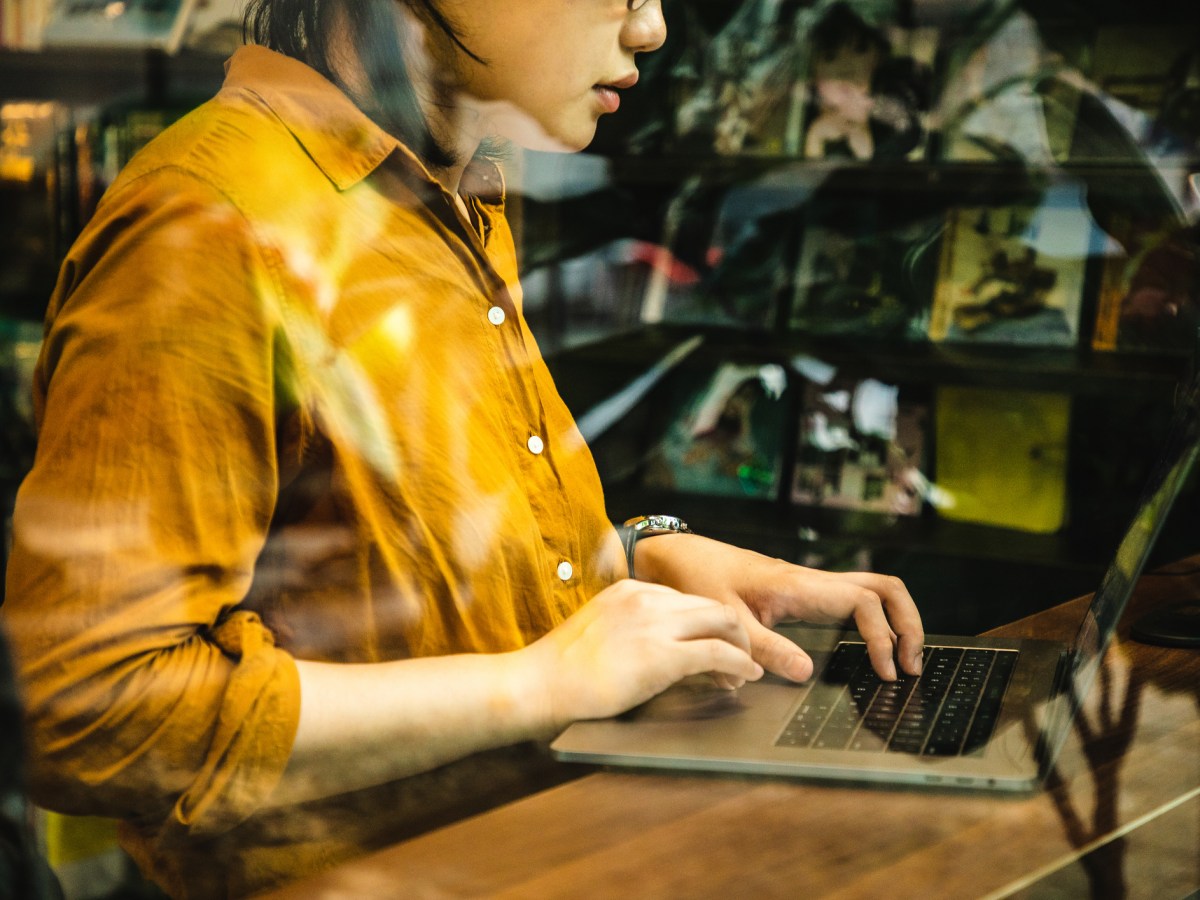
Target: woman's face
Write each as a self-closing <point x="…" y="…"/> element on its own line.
<point x="553" y="67"/>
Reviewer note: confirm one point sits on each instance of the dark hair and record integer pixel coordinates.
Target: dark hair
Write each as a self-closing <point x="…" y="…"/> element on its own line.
<point x="304" y="29"/>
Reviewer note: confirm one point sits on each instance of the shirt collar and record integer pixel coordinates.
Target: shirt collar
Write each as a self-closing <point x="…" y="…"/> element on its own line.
<point x="342" y="140"/>
<point x="339" y="137"/>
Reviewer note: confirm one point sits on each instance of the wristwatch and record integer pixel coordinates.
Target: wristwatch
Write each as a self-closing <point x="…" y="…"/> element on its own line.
<point x="647" y="526"/>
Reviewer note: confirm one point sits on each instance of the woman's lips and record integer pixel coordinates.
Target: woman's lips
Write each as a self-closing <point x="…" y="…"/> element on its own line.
<point x="609" y="98"/>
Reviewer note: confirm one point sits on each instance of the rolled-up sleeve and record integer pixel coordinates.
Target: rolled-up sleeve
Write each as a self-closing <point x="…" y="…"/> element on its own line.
<point x="151" y="695"/>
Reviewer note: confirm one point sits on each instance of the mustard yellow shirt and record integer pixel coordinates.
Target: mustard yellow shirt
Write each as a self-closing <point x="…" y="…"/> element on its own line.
<point x="288" y="408"/>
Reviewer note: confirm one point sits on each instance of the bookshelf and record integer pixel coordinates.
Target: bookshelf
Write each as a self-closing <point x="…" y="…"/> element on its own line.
<point x="1024" y="104"/>
<point x="1119" y="407"/>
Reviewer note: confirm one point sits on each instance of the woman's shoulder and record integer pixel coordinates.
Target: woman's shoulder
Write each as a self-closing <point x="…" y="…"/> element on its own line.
<point x="234" y="146"/>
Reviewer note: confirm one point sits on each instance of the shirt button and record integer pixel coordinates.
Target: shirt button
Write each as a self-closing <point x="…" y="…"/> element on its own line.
<point x="565" y="570"/>
<point x="496" y="315"/>
<point x="535" y="444"/>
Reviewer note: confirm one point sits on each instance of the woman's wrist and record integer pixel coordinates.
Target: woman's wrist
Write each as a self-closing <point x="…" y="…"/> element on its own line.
<point x="636" y="530"/>
<point x="654" y="557"/>
<point x="525" y="693"/>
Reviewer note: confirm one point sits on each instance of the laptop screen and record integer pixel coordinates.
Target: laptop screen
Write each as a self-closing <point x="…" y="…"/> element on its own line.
<point x="1166" y="481"/>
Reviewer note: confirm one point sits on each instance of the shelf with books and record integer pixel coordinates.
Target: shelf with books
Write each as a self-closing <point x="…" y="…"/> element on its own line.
<point x="911" y="456"/>
<point x="934" y="113"/>
<point x="1017" y="266"/>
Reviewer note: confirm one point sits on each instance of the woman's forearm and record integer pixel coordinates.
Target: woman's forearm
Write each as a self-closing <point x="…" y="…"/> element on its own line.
<point x="366" y="724"/>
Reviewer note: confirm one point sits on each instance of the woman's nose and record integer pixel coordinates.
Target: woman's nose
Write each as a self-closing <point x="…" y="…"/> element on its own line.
<point x="645" y="28"/>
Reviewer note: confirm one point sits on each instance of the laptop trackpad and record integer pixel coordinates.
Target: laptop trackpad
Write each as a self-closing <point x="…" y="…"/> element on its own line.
<point x="698" y="699"/>
<point x="688" y="701"/>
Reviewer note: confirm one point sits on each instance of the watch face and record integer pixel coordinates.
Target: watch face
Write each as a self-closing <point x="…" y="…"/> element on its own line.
<point x="647" y="525"/>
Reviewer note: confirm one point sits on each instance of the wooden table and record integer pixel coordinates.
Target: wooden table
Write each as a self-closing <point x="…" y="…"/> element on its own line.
<point x="1120" y="815"/>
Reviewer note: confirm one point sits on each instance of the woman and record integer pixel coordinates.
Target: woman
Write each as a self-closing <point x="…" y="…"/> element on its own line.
<point x="308" y="516"/>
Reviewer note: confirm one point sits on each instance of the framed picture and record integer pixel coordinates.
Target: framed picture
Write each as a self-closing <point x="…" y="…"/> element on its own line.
<point x="1002" y="457"/>
<point x="858" y="274"/>
<point x="737" y="80"/>
<point x="862" y="446"/>
<point x="741" y="241"/>
<point x="869" y="89"/>
<point x="1148" y="298"/>
<point x="1015" y="274"/>
<point x="725" y="434"/>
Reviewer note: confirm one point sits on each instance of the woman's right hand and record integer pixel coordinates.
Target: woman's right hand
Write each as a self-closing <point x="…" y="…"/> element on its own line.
<point x="632" y="641"/>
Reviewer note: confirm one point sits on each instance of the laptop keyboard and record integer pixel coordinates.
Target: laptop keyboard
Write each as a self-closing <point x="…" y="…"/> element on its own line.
<point x="950" y="710"/>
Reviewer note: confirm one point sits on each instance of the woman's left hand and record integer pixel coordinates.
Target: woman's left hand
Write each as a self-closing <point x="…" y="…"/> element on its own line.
<point x="766" y="591"/>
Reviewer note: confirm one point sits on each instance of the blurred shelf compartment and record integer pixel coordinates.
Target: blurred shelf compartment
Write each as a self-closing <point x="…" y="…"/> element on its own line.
<point x="1070" y="370"/>
<point x="779" y="526"/>
<point x="84" y="76"/>
<point x="903" y="176"/>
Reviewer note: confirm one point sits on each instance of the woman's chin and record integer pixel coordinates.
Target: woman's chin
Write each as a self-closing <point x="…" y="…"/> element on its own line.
<point x="565" y="133"/>
<point x="558" y="141"/>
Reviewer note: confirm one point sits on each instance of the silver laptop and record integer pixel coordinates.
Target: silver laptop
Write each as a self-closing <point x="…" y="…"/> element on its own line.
<point x="984" y="714"/>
